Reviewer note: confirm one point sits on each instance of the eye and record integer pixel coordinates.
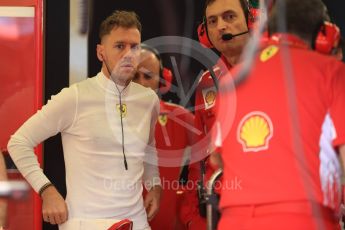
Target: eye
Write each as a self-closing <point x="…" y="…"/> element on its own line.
<point x="119" y="46"/>
<point x="228" y="16"/>
<point x="135" y="47"/>
<point x="211" y="21"/>
<point x="147" y="76"/>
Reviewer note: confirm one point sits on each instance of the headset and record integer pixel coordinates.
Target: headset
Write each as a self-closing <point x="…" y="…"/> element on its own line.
<point x="327" y="38"/>
<point x="252" y="14"/>
<point x="165" y="74"/>
<point x="121" y="109"/>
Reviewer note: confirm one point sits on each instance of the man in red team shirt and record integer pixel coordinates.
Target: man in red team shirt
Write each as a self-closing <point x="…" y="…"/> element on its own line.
<point x="222" y="17"/>
<point x="272" y="151"/>
<point x="174" y="133"/>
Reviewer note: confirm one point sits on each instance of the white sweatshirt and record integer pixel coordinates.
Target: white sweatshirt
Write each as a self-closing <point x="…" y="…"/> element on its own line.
<point x="87" y="115"/>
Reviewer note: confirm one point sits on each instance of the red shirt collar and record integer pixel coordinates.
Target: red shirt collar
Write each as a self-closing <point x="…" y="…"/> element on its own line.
<point x="223" y="59"/>
<point x="288" y="39"/>
<point x="223" y="65"/>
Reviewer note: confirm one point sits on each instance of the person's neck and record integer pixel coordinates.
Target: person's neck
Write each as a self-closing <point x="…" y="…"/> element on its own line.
<point x="232" y="59"/>
<point x="119" y="82"/>
<point x="291" y="39"/>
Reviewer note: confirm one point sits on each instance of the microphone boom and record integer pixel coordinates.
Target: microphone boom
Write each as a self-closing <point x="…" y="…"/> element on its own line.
<point x="229" y="36"/>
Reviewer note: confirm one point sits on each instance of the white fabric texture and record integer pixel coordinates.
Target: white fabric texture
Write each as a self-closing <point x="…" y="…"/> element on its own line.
<point x="87" y="224"/>
<point x="87" y="115"/>
<point x="330" y="168"/>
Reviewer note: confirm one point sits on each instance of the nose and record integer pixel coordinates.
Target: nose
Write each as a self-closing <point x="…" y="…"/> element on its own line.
<point x="221" y="24"/>
<point x="129" y="52"/>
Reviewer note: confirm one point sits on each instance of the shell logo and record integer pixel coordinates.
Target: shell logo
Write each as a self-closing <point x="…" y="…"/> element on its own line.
<point x="255" y="131"/>
<point x="210" y="97"/>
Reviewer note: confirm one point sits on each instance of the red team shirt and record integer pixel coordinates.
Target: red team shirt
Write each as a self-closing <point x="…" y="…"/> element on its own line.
<point x="173" y="135"/>
<point x="272" y="152"/>
<point x="205" y="100"/>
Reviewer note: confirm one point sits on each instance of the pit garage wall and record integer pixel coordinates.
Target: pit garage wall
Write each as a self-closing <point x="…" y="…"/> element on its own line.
<point x="21" y="57"/>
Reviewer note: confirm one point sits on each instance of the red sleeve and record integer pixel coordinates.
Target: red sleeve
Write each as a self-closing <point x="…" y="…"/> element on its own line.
<point x="216" y="133"/>
<point x="198" y="110"/>
<point x="200" y="143"/>
<point x="337" y="108"/>
<point x="192" y="132"/>
<point x="189" y="208"/>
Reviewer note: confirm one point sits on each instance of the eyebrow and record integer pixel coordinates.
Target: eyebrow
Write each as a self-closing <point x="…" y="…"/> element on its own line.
<point x="147" y="72"/>
<point x="224" y="12"/>
<point x="124" y="42"/>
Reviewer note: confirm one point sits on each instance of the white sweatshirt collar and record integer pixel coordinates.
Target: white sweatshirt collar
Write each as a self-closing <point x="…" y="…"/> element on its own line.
<point x="109" y="86"/>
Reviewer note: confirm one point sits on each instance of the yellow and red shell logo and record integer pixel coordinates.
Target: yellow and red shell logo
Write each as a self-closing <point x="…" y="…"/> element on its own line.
<point x="255" y="131"/>
<point x="210" y="97"/>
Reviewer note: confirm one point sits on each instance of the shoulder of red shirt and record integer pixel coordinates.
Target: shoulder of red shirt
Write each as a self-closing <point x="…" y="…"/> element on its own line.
<point x="167" y="107"/>
<point x="221" y="68"/>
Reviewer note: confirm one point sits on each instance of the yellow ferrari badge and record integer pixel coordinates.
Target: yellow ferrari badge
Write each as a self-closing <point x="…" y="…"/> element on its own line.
<point x="268" y="53"/>
<point x="122" y="109"/>
<point x="162" y="119"/>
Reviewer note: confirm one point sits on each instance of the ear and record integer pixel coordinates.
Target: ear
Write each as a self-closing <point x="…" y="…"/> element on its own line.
<point x="100" y="52"/>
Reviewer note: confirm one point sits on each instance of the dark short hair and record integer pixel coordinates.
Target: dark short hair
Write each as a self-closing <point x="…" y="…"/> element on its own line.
<point x="126" y="19"/>
<point x="302" y="18"/>
<point x="244" y="5"/>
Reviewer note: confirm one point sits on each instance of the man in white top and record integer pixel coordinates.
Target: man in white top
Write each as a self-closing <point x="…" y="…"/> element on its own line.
<point x="107" y="126"/>
<point x="3" y="202"/>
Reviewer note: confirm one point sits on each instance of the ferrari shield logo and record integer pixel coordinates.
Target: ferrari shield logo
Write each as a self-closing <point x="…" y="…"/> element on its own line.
<point x="162" y="119"/>
<point x="268" y="53"/>
<point x="123" y="110"/>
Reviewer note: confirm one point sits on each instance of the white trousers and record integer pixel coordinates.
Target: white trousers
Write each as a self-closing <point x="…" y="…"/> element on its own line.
<point x="90" y="224"/>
